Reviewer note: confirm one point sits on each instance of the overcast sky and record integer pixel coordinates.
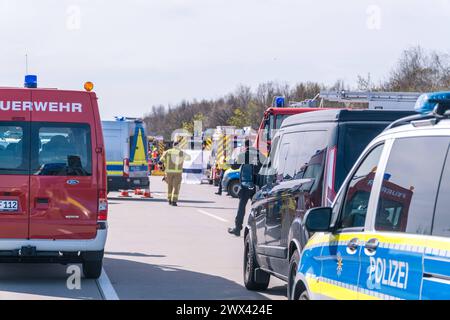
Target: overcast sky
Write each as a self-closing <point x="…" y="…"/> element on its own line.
<point x="141" y="53"/>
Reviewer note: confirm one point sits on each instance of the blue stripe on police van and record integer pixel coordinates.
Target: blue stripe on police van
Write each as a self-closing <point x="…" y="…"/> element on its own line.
<point x="114" y="167"/>
<point x="435" y="289"/>
<point x="436" y="266"/>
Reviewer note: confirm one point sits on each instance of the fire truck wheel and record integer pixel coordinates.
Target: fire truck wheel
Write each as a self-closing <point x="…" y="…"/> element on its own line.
<point x="92" y="269"/>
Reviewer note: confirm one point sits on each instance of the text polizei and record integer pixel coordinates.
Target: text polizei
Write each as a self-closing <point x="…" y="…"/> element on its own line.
<point x="40" y="106"/>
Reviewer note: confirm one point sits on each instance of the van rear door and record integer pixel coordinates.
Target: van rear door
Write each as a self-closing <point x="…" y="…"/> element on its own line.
<point x="14" y="164"/>
<point x="64" y="174"/>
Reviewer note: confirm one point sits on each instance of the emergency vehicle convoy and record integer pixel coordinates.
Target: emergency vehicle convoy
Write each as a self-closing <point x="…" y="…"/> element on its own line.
<point x="387" y="234"/>
<point x="53" y="205"/>
<point x="126" y="154"/>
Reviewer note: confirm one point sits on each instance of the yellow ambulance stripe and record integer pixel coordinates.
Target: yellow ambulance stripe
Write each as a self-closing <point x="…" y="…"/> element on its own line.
<point x="208" y="144"/>
<point x="220" y="147"/>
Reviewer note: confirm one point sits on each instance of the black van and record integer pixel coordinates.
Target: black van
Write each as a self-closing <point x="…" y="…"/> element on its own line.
<point x="311" y="155"/>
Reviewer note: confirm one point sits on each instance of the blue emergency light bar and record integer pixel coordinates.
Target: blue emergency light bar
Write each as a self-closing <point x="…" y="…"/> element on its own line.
<point x="30" y="81"/>
<point x="428" y="102"/>
<point x="279" y="102"/>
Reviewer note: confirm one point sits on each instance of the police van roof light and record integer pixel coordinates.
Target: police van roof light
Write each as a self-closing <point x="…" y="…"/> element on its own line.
<point x="30" y="81"/>
<point x="437" y="102"/>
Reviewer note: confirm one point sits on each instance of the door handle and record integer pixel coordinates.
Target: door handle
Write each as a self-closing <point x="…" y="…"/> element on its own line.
<point x="353" y="244"/>
<point x="372" y="245"/>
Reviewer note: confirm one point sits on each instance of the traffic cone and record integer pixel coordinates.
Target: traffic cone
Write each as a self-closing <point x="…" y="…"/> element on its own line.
<point x="124" y="194"/>
<point x="138" y="192"/>
<point x="147" y="194"/>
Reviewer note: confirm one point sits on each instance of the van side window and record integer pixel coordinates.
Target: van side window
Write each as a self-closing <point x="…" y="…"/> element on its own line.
<point x="62" y="149"/>
<point x="305" y="155"/>
<point x="411" y="180"/>
<point x="357" y="197"/>
<point x="13" y="155"/>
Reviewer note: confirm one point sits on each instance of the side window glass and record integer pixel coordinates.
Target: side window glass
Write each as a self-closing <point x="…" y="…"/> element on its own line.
<point x="357" y="196"/>
<point x="12" y="149"/>
<point x="306" y="155"/>
<point x="62" y="150"/>
<point x="441" y="223"/>
<point x="281" y="161"/>
<point x="311" y="156"/>
<point x="410" y="185"/>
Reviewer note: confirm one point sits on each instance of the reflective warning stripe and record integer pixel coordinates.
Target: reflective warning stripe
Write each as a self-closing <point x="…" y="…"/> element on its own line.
<point x="404" y="242"/>
<point x="161" y="147"/>
<point x="342" y="291"/>
<point x="183" y="143"/>
<point x="114" y="168"/>
<point x="208" y="146"/>
<point x="220" y="147"/>
<point x="114" y="173"/>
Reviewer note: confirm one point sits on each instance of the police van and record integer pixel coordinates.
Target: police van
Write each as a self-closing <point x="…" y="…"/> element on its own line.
<point x="126" y="154"/>
<point x="387" y="235"/>
<point x="53" y="205"/>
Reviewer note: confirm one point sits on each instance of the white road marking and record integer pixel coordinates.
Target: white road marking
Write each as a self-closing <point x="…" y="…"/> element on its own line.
<point x="106" y="288"/>
<point x="212" y="215"/>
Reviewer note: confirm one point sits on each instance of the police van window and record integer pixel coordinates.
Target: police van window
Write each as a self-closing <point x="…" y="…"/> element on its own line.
<point x="358" y="192"/>
<point x="441" y="222"/>
<point x="408" y="194"/>
<point x="282" y="158"/>
<point x="13" y="148"/>
<point x="310" y="153"/>
<point x="304" y="155"/>
<point x="61" y="149"/>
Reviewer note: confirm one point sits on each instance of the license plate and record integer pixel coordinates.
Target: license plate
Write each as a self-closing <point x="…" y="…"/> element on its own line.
<point x="9" y="205"/>
<point x="137" y="182"/>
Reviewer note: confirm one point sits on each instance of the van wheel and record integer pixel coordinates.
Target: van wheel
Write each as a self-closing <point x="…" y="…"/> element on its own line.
<point x="293" y="267"/>
<point x="92" y="269"/>
<point x="254" y="278"/>
<point x="233" y="189"/>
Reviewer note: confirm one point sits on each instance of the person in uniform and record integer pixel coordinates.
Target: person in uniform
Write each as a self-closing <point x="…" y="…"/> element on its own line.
<point x="223" y="166"/>
<point x="173" y="160"/>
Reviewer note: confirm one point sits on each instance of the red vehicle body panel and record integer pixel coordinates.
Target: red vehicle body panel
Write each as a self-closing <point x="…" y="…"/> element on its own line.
<point x="52" y="207"/>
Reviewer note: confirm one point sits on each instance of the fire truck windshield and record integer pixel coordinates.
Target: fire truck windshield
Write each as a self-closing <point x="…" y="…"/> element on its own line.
<point x="275" y="123"/>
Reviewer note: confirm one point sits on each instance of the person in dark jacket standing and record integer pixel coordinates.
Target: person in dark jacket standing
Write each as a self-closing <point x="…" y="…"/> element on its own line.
<point x="247" y="190"/>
